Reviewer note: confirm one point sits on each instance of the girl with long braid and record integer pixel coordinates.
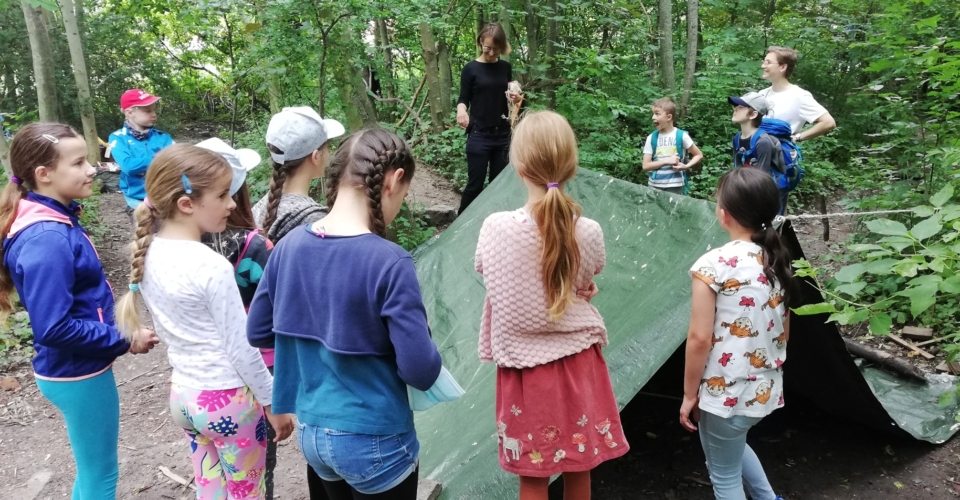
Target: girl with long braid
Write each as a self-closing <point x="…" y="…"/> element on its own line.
<point x="220" y="391"/>
<point x="297" y="139"/>
<point x="342" y="307"/>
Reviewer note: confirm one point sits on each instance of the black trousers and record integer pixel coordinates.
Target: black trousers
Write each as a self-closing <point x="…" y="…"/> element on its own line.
<point x="487" y="154"/>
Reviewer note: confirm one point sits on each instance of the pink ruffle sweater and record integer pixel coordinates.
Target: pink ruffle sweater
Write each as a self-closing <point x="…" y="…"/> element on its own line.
<point x="515" y="331"/>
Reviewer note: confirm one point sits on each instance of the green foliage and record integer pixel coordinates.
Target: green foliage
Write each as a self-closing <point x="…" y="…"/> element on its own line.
<point x="16" y="339"/>
<point x="409" y="229"/>
<point x="446" y="153"/>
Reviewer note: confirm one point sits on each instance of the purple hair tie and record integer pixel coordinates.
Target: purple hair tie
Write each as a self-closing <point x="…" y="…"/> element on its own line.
<point x="16" y="180"/>
<point x="553" y="185"/>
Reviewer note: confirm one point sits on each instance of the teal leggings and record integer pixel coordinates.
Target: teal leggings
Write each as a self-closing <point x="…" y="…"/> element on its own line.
<point x="91" y="408"/>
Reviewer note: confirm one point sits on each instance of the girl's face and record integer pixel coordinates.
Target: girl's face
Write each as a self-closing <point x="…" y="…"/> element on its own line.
<point x="395" y="187"/>
<point x="72" y="177"/>
<point x="213" y="208"/>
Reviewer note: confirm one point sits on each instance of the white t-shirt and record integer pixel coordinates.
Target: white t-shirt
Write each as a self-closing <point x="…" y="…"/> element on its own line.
<point x="743" y="375"/>
<point x="192" y="296"/>
<point x="666" y="176"/>
<point x="794" y="106"/>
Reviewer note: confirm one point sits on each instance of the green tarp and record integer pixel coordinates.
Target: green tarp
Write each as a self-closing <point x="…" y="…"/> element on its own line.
<point x="651" y="237"/>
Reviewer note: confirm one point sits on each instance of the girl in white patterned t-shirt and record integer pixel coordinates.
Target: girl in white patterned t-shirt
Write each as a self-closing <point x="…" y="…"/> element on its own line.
<point x="739" y="327"/>
<point x="220" y="391"/>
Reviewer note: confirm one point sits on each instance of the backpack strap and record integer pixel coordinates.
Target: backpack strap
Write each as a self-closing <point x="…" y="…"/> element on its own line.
<point x="246" y="244"/>
<point x="681" y="152"/>
<point x="654" y="140"/>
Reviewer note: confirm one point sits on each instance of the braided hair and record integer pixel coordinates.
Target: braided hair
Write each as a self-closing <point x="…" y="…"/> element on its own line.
<point x="362" y="160"/>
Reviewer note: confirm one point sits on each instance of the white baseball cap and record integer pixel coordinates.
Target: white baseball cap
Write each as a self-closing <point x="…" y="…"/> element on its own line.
<point x="753" y="100"/>
<point x="241" y="160"/>
<point x="299" y="131"/>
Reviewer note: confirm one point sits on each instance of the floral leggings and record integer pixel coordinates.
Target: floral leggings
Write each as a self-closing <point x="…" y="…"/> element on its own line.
<point x="228" y="440"/>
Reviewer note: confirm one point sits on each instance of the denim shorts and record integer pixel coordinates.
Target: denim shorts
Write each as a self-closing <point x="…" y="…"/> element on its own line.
<point x="369" y="463"/>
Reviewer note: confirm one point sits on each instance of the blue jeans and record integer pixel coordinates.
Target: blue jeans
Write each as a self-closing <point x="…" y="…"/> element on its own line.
<point x="91" y="409"/>
<point x="732" y="463"/>
<point x="370" y="464"/>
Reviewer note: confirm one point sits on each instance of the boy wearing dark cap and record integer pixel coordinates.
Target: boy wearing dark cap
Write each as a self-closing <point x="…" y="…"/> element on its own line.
<point x="136" y="143"/>
<point x="763" y="152"/>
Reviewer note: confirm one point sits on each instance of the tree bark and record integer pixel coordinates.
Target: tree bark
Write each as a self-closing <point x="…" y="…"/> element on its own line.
<point x="504" y="19"/>
<point x="359" y="107"/>
<point x="446" y="77"/>
<point x="432" y="70"/>
<point x="665" y="21"/>
<point x="533" y="44"/>
<point x="383" y="34"/>
<point x="5" y="155"/>
<point x="690" y="67"/>
<point x="481" y="20"/>
<point x="550" y="54"/>
<point x="43" y="62"/>
<point x="768" y="21"/>
<point x="67" y="11"/>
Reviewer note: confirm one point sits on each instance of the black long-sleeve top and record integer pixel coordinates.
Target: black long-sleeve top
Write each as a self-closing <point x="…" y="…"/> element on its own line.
<point x="483" y="88"/>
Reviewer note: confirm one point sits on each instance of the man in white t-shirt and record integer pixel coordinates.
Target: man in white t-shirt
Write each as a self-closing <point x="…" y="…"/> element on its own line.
<point x="789" y="102"/>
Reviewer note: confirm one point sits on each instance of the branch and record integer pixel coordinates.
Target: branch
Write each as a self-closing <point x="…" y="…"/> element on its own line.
<point x="402" y="103"/>
<point x="413" y="102"/>
<point x="185" y="63"/>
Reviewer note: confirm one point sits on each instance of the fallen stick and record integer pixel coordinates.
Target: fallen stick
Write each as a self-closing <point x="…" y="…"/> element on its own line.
<point x="174" y="477"/>
<point x="928" y="342"/>
<point x="137" y="376"/>
<point x="911" y="346"/>
<point x="884" y="359"/>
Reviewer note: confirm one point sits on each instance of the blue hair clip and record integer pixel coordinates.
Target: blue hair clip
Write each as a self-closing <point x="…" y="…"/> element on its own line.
<point x="187" y="188"/>
<point x="134" y="287"/>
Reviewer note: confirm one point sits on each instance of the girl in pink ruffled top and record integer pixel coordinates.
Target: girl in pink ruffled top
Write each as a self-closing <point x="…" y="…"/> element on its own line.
<point x="556" y="412"/>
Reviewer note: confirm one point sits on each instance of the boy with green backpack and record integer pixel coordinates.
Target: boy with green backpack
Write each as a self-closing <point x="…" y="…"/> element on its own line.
<point x="662" y="157"/>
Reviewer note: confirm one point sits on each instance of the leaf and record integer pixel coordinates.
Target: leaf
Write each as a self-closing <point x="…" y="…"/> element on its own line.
<point x="211" y="400"/>
<point x="852" y="289"/>
<point x="810" y="309"/>
<point x="923" y="211"/>
<point x="950" y="285"/>
<point x="927" y="279"/>
<point x="948" y="398"/>
<point x="860" y="316"/>
<point x="898" y="242"/>
<point x="907" y="268"/>
<point x="899" y="485"/>
<point x="943" y="196"/>
<point x="927" y="228"/>
<point x="921" y="297"/>
<point x="888" y="227"/>
<point x="850" y="273"/>
<point x="880" y="324"/>
<point x="864" y="247"/>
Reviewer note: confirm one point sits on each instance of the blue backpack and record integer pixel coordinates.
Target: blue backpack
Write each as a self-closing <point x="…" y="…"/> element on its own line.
<point x="682" y="153"/>
<point x="792" y="155"/>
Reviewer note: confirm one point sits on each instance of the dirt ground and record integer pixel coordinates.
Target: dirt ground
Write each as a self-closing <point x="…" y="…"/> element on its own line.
<point x="807" y="453"/>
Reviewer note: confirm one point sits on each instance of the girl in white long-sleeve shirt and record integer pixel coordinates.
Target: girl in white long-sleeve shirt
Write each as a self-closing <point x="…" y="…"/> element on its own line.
<point x="220" y="389"/>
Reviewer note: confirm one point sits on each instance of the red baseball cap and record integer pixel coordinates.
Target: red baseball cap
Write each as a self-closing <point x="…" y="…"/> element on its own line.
<point x="136" y="97"/>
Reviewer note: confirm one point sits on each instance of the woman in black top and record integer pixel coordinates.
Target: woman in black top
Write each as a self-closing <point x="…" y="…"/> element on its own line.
<point x="483" y="90"/>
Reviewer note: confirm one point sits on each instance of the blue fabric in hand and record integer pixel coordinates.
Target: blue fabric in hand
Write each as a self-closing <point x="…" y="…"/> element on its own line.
<point x="443" y="390"/>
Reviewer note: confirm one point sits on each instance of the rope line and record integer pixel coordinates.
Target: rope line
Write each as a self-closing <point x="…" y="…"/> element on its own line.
<point x="780" y="218"/>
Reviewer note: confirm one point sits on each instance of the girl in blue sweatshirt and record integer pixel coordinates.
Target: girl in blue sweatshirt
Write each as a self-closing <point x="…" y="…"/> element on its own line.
<point x="50" y="261"/>
<point x="342" y="306"/>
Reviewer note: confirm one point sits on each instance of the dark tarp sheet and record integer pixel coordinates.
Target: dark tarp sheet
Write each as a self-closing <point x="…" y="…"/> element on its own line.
<point x="652" y="238"/>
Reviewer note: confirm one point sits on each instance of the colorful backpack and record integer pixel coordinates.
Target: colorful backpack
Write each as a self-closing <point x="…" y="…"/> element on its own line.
<point x="792" y="155"/>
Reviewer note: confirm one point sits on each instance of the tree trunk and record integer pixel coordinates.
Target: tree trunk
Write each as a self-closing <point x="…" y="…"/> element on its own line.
<point x="433" y="76"/>
<point x="353" y="90"/>
<point x="67" y="11"/>
<point x="532" y="41"/>
<point x="768" y="21"/>
<point x="550" y="55"/>
<point x="665" y="18"/>
<point x="384" y="44"/>
<point x="5" y="155"/>
<point x="446" y="78"/>
<point x="504" y="19"/>
<point x="43" y="62"/>
<point x="690" y="67"/>
<point x="481" y="20"/>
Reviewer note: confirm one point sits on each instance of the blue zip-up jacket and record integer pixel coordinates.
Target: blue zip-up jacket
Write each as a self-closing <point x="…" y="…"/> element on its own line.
<point x="134" y="156"/>
<point x="60" y="281"/>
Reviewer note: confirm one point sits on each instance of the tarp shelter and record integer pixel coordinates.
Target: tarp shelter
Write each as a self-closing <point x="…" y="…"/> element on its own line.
<point x="652" y="238"/>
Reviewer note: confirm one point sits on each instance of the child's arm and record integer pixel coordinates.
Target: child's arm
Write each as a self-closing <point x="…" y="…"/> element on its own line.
<point x="649" y="164"/>
<point x="699" y="340"/>
<point x="765" y="152"/>
<point x="260" y="316"/>
<point x="46" y="263"/>
<point x="128" y="162"/>
<point x="418" y="361"/>
<point x="694" y="160"/>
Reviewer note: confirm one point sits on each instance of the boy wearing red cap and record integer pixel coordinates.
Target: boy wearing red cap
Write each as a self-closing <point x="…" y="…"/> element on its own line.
<point x="136" y="143"/>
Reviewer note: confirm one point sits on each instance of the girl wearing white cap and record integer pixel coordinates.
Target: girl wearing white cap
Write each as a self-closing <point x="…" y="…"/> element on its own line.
<point x="297" y="139"/>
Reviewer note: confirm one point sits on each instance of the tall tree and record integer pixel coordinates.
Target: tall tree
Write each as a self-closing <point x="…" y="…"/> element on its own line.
<point x="382" y="38"/>
<point x="504" y="20"/>
<point x="43" y="62"/>
<point x="357" y="102"/>
<point x="446" y="77"/>
<point x="432" y="68"/>
<point x="68" y="13"/>
<point x="690" y="67"/>
<point x="665" y="20"/>
<point x="550" y="54"/>
<point x="530" y="18"/>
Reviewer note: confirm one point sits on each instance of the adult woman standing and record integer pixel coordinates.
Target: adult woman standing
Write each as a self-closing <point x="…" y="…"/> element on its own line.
<point x="483" y="87"/>
<point x="791" y="103"/>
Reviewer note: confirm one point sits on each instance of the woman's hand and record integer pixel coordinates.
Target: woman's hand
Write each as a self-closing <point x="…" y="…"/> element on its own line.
<point x="514" y="97"/>
<point x="282" y="424"/>
<point x="463" y="119"/>
<point x="143" y="341"/>
<point x="690" y="413"/>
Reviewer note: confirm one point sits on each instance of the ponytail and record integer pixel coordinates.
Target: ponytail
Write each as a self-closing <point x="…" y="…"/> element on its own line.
<point x="776" y="259"/>
<point x="9" y="203"/>
<point x="280" y="173"/>
<point x="128" y="308"/>
<point x="556" y="216"/>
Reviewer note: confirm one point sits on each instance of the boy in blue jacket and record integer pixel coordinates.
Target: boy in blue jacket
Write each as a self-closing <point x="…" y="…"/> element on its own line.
<point x="136" y="143"/>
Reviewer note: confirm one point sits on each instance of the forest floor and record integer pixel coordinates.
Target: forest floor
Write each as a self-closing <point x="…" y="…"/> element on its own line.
<point x="807" y="453"/>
